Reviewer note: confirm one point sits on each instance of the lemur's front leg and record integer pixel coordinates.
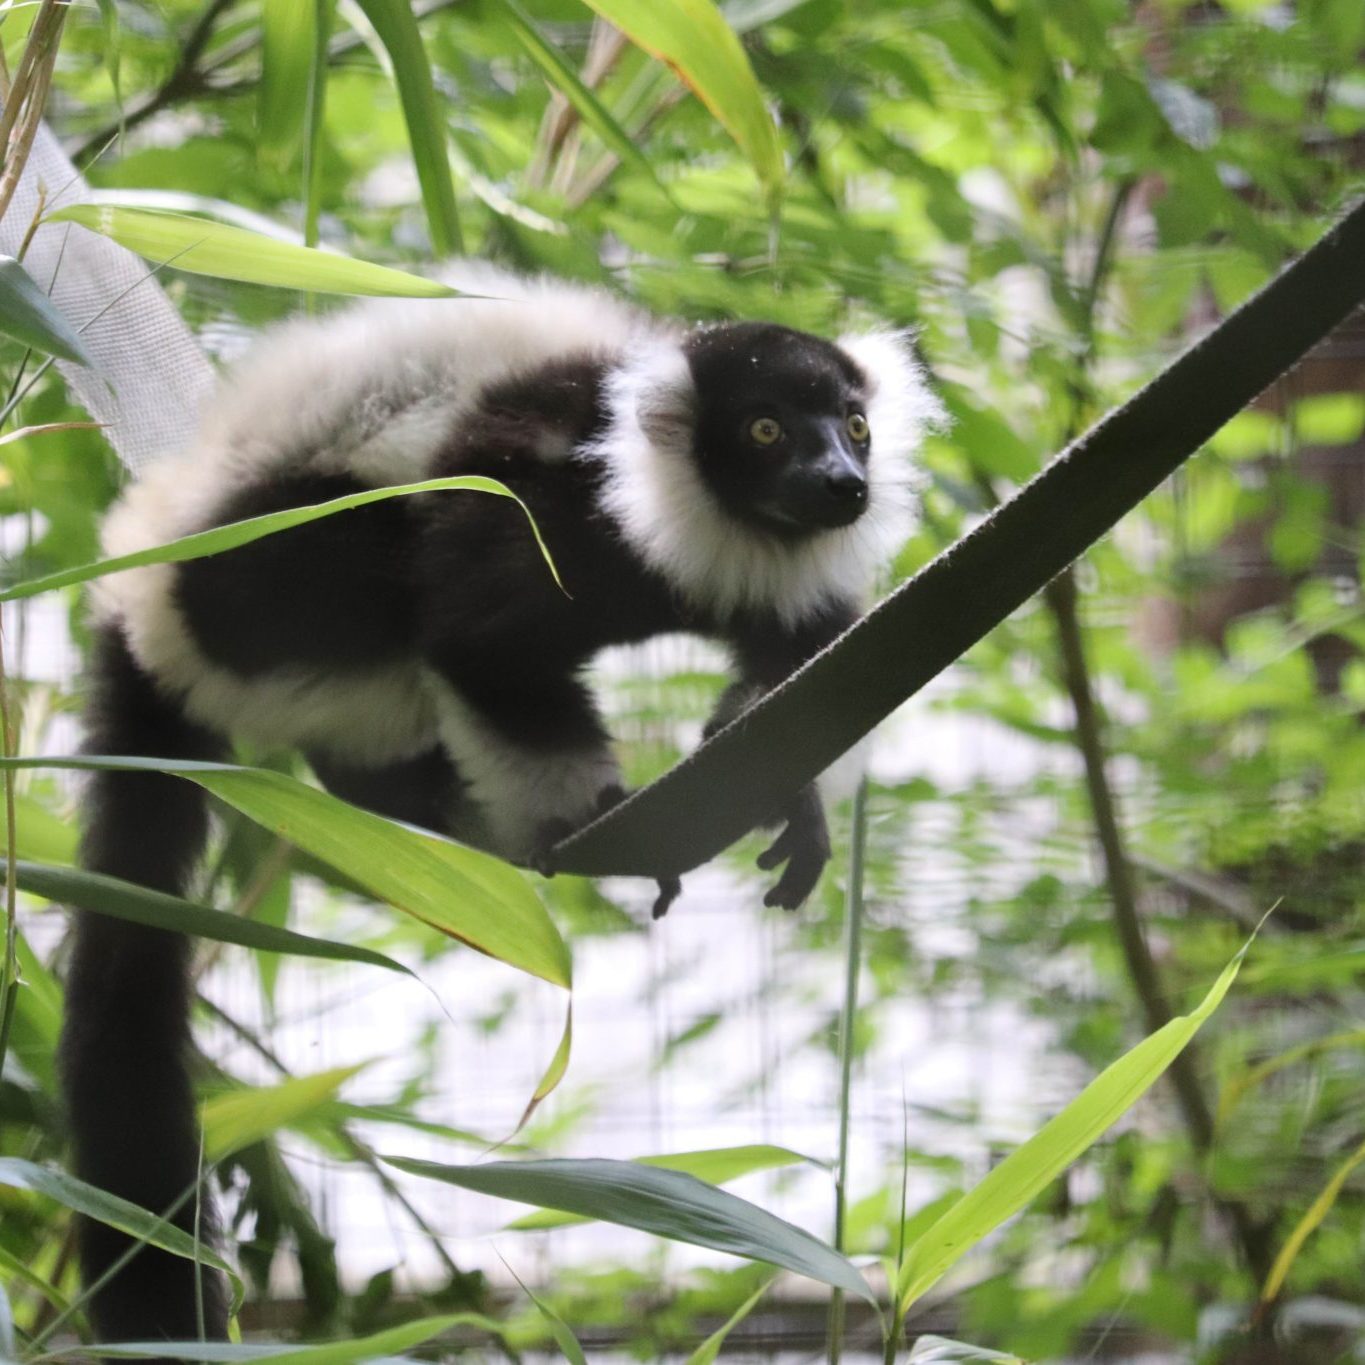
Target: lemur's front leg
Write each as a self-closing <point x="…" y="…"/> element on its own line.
<point x="767" y="654"/>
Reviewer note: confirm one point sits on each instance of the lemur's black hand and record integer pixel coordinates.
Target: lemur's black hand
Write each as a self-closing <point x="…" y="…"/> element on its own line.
<point x="803" y="845"/>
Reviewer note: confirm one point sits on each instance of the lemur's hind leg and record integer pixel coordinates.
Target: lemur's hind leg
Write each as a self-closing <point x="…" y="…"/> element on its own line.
<point x="125" y="1039"/>
<point x="424" y="790"/>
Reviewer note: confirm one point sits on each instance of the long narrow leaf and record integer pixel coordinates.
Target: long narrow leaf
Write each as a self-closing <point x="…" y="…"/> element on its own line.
<point x="232" y="253"/>
<point x="117" y="899"/>
<point x="709" y="1351"/>
<point x="28" y="315"/>
<point x="716" y="1166"/>
<point x="109" y="1208"/>
<point x="288" y="39"/>
<point x="385" y="1345"/>
<point x="396" y="25"/>
<point x="236" y="533"/>
<point x="1308" y="1224"/>
<point x="1014" y="1183"/>
<point x="692" y="37"/>
<point x="666" y="1203"/>
<point x="460" y="891"/>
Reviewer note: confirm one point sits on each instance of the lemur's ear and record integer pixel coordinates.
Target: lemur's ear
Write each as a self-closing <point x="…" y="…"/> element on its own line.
<point x="901" y="408"/>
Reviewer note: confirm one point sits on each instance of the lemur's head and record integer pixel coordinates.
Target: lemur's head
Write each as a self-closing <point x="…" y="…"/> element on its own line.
<point x="758" y="467"/>
<point x="780" y="426"/>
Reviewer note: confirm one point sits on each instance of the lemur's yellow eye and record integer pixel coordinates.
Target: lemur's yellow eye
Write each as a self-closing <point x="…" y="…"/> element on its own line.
<point x="766" y="431"/>
<point x="857" y="426"/>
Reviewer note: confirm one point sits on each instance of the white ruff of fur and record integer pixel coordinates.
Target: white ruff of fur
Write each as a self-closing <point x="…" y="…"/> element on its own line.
<point x="672" y="520"/>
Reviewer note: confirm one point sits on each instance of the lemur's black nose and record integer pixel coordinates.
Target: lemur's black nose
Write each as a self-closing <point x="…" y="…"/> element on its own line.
<point x="847" y="484"/>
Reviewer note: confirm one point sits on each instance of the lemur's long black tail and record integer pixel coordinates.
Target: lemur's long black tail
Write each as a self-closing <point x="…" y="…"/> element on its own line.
<point x="125" y="1042"/>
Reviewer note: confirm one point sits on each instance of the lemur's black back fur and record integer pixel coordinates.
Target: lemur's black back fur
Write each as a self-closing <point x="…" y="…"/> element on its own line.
<point x="126" y="1034"/>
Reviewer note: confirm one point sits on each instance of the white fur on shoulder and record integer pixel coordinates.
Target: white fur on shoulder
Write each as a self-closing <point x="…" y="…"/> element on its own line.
<point x="674" y="523"/>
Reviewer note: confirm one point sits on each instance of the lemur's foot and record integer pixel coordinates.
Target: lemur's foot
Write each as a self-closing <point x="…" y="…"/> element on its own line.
<point x="670" y="888"/>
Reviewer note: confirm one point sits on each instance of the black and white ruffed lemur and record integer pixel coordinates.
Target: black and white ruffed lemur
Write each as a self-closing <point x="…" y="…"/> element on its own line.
<point x="742" y="482"/>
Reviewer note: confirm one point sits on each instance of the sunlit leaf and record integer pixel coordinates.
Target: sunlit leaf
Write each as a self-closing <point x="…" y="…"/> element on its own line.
<point x="692" y="37"/>
<point x="236" y="533"/>
<point x="666" y="1203"/>
<point x="467" y="894"/>
<point x="1017" y="1179"/>
<point x="232" y="253"/>
<point x="237" y="1118"/>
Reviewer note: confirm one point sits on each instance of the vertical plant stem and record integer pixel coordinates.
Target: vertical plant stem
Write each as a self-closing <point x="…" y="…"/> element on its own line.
<point x="313" y="121"/>
<point x="853" y="955"/>
<point x="10" y="976"/>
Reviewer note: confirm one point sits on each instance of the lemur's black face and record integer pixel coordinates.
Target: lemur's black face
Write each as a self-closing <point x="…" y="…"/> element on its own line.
<point x="781" y="433"/>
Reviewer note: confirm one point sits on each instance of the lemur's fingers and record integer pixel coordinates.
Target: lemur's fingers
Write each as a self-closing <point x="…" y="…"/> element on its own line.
<point x="610" y="796"/>
<point x="803" y="845"/>
<point x="670" y="888"/>
<point x="798" y="880"/>
<point x="779" y="850"/>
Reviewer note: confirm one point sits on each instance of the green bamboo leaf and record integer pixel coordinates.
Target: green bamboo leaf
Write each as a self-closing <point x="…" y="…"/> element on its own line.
<point x="565" y="79"/>
<point x="715" y="1165"/>
<point x="559" y="1329"/>
<point x="467" y="894"/>
<point x="666" y="1203"/>
<point x="20" y="1270"/>
<point x="237" y="1118"/>
<point x="396" y="26"/>
<point x="237" y="533"/>
<point x="41" y="835"/>
<point x="386" y="1345"/>
<point x="709" y="1351"/>
<point x="1308" y="1224"/>
<point x="941" y="1351"/>
<point x="232" y="253"/>
<point x="28" y="315"/>
<point x="109" y="1208"/>
<point x="288" y="41"/>
<point x="1013" y="1183"/>
<point x="117" y="899"/>
<point x="113" y="49"/>
<point x="692" y="37"/>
